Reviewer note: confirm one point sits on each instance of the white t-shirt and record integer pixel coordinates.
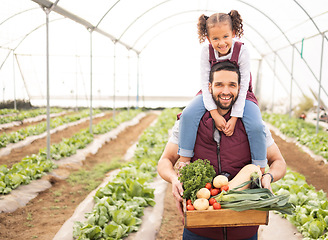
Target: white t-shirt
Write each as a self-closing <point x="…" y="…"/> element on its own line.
<point x="244" y="68"/>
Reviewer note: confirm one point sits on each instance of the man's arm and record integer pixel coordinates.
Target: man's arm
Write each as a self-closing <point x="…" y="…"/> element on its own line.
<point x="166" y="169"/>
<point x="277" y="166"/>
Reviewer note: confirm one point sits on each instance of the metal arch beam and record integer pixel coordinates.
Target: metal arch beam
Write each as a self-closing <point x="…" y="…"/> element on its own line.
<point x="26" y="35"/>
<point x="250" y="5"/>
<point x="162" y="20"/>
<point x="16" y="14"/>
<point x="102" y="18"/>
<point x="314" y="23"/>
<point x="67" y="14"/>
<point x="287" y="37"/>
<point x="140" y="16"/>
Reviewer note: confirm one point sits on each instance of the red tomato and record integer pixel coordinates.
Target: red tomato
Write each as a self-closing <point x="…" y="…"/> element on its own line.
<point x="217" y="205"/>
<point x="225" y="188"/>
<point x="215" y="191"/>
<point x="212" y="201"/>
<point x="208" y="186"/>
<point x="189" y="202"/>
<point x="190" y="207"/>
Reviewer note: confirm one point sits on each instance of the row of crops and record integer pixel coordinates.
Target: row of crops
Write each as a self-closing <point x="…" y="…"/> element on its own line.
<point x="304" y="132"/>
<point x="119" y="205"/>
<point x="311" y="206"/>
<point x="35" y="166"/>
<point x="37" y="129"/>
<point x="11" y="115"/>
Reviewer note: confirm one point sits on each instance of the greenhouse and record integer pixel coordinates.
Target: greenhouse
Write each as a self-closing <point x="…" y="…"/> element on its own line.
<point x="90" y="93"/>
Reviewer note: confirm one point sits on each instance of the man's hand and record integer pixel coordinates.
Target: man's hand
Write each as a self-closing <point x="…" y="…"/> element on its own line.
<point x="177" y="192"/>
<point x="266" y="182"/>
<point x="230" y="126"/>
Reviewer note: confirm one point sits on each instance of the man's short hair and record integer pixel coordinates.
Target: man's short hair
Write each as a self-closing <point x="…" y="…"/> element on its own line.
<point x="227" y="66"/>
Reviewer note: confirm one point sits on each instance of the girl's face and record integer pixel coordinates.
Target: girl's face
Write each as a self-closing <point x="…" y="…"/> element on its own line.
<point x="220" y="36"/>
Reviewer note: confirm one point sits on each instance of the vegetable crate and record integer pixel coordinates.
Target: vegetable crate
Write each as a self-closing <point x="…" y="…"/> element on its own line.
<point x="224" y="218"/>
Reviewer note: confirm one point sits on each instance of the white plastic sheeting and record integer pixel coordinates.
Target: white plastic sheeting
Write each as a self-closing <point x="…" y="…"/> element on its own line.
<point x="150" y="48"/>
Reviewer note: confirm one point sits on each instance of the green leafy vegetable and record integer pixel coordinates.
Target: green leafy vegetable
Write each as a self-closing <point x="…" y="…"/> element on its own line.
<point x="311" y="207"/>
<point x="194" y="176"/>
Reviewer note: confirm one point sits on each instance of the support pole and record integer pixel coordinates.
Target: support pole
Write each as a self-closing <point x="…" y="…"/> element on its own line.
<point x="14" y="82"/>
<point x="320" y="78"/>
<point x="138" y="76"/>
<point x="258" y="79"/>
<point x="274" y="80"/>
<point x="114" y="82"/>
<point x="291" y="83"/>
<point x="47" y="11"/>
<point x="129" y="80"/>
<point x="90" y="126"/>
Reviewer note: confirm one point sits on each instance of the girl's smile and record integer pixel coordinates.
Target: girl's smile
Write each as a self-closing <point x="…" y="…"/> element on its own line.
<point x="220" y="36"/>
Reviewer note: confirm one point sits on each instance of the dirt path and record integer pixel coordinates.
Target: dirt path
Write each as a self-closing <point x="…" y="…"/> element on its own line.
<point x="18" y="154"/>
<point x="316" y="172"/>
<point x="44" y="215"/>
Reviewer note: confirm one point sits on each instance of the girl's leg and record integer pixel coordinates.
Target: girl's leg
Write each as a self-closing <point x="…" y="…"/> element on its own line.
<point x="188" y="126"/>
<point x="255" y="130"/>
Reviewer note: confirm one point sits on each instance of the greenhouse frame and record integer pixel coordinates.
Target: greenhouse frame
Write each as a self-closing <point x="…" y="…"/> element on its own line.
<point x="76" y="53"/>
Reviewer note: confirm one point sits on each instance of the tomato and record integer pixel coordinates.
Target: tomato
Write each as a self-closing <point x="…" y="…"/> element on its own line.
<point x="212" y="201"/>
<point x="217" y="205"/>
<point x="225" y="188"/>
<point x="190" y="207"/>
<point x="189" y="202"/>
<point x="208" y="186"/>
<point x="214" y="191"/>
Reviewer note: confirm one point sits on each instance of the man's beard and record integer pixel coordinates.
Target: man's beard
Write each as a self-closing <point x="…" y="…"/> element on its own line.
<point x="220" y="105"/>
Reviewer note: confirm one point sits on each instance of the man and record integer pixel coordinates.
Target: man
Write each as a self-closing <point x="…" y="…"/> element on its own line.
<point x="226" y="154"/>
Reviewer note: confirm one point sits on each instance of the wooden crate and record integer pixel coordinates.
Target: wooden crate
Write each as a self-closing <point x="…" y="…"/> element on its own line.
<point x="224" y="218"/>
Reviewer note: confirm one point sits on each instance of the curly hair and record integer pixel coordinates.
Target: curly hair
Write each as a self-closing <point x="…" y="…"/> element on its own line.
<point x="205" y="23"/>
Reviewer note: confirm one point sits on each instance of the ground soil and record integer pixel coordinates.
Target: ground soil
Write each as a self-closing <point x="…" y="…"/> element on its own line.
<point x="44" y="215"/>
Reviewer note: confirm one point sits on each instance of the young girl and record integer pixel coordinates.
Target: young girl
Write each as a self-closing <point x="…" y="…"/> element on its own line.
<point x="220" y="29"/>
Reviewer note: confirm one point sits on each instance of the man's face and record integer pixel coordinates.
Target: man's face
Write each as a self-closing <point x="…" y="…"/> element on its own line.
<point x="224" y="89"/>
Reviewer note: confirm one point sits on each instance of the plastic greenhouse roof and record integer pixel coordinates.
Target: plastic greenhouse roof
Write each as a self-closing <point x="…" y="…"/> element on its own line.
<point x="287" y="40"/>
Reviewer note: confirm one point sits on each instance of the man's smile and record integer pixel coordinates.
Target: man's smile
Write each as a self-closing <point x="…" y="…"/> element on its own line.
<point x="225" y="98"/>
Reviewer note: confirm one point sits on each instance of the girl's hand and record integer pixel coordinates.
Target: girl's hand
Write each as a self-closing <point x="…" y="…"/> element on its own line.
<point x="220" y="122"/>
<point x="230" y="126"/>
